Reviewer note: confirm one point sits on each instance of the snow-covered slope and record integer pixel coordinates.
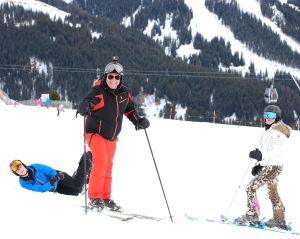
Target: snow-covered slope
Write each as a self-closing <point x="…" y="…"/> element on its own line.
<point x="37" y="6"/>
<point x="203" y="22"/>
<point x="208" y="24"/>
<point x="253" y="7"/>
<point x="291" y="5"/>
<point x="4" y="99"/>
<point x="202" y="167"/>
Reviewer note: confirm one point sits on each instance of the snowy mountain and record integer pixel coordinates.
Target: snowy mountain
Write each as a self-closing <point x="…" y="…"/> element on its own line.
<point x="209" y="25"/>
<point x="203" y="167"/>
<point x="215" y="28"/>
<point x="38" y="6"/>
<point x="203" y="22"/>
<point x="59" y="45"/>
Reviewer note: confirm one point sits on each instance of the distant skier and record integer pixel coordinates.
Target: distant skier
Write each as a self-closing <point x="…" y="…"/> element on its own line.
<point x="104" y="106"/>
<point x="42" y="178"/>
<point x="267" y="171"/>
<point x="62" y="108"/>
<point x="48" y="102"/>
<point x="58" y="109"/>
<point x="39" y="102"/>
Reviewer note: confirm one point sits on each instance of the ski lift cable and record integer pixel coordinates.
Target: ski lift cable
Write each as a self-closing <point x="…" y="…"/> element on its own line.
<point x="168" y="73"/>
<point x="28" y="66"/>
<point x="141" y="73"/>
<point x="295" y="81"/>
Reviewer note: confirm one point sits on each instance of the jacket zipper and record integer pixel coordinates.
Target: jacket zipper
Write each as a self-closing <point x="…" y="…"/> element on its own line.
<point x="100" y="123"/>
<point x="117" y="115"/>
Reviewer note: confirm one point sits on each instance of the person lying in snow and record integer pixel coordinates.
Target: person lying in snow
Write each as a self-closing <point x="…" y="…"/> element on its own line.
<point x="43" y="178"/>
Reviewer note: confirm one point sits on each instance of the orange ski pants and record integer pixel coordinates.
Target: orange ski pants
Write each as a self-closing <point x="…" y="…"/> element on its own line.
<point x="103" y="152"/>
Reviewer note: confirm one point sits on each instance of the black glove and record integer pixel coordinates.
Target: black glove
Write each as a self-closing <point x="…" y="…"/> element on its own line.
<point x="85" y="108"/>
<point x="142" y="123"/>
<point x="59" y="176"/>
<point x="256" y="169"/>
<point x="255" y="154"/>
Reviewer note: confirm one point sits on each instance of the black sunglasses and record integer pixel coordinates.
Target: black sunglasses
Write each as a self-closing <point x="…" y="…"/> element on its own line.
<point x="110" y="77"/>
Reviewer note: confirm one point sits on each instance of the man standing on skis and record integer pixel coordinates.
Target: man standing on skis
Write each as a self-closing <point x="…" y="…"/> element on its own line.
<point x="43" y="178"/>
<point x="104" y="107"/>
<point x="268" y="169"/>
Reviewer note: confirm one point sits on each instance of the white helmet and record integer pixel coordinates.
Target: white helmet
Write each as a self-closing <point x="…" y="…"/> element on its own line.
<point x="114" y="66"/>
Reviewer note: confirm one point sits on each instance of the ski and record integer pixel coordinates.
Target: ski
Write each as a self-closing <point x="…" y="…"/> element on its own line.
<point x="110" y="214"/>
<point x="120" y="217"/>
<point x="192" y="218"/>
<point x="261" y="225"/>
<point x="125" y="216"/>
<point x="140" y="216"/>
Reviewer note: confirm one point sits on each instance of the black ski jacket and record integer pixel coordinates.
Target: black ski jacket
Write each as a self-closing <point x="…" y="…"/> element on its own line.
<point x="107" y="109"/>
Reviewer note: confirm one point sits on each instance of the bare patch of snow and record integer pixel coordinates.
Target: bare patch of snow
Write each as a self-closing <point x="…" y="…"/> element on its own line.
<point x="37" y="6"/>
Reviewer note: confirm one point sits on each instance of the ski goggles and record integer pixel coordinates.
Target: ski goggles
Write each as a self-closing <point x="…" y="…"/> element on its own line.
<point x="270" y="115"/>
<point x="15" y="164"/>
<point x="110" y="77"/>
<point x="114" y="67"/>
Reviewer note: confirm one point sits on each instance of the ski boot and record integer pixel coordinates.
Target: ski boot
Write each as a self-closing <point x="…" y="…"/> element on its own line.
<point x="97" y="203"/>
<point x="89" y="158"/>
<point x="247" y="220"/>
<point x="89" y="161"/>
<point x="276" y="223"/>
<point x="109" y="203"/>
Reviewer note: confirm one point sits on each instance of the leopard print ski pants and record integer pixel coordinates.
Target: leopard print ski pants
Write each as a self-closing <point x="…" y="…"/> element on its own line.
<point x="269" y="176"/>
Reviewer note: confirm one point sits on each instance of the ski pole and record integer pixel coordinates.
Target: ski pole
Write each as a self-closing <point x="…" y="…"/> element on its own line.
<point x="227" y="211"/>
<point x="84" y="164"/>
<point x="158" y="175"/>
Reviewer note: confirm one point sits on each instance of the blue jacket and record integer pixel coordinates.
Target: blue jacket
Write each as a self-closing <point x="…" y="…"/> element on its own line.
<point x="41" y="178"/>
